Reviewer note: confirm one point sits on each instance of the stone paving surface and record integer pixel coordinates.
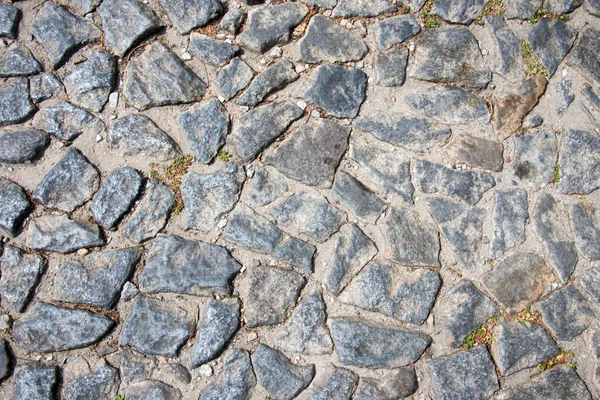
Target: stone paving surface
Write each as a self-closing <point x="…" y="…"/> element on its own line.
<point x="299" y="199"/>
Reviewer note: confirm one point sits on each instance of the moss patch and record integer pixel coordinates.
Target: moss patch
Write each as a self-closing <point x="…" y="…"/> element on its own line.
<point x="532" y="64"/>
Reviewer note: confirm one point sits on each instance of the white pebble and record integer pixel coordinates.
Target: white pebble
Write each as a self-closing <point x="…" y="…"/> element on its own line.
<point x="315" y="114"/>
<point x="411" y="46"/>
<point x="113" y="100"/>
<point x="300" y="68"/>
<point x="301" y="104"/>
<point x="38" y="357"/>
<point x="263" y="61"/>
<point x="221" y="99"/>
<point x="276" y="52"/>
<point x="205" y="370"/>
<point x="186" y="56"/>
<point x="222" y="223"/>
<point x="99" y="138"/>
<point x="83" y="252"/>
<point x="250" y="173"/>
<point x="244" y="108"/>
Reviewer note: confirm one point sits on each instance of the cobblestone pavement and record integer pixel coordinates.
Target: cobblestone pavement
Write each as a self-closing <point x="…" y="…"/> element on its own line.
<point x="316" y="199"/>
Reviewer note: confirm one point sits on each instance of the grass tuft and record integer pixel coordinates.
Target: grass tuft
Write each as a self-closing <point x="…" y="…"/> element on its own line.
<point x="171" y="176"/>
<point x="532" y="64"/>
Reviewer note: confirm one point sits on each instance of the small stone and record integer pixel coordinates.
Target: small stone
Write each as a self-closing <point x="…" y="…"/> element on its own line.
<point x="9" y="21"/>
<point x="5" y="361"/>
<point x="235" y="381"/>
<point x="397" y="384"/>
<point x="362" y="8"/>
<point x="560" y="382"/>
<point x="509" y="219"/>
<point x="14" y="208"/>
<point x="18" y="61"/>
<point x="44" y="86"/>
<point x="567" y="313"/>
<point x="216" y="52"/>
<point x="5" y="322"/>
<point x="192" y="14"/>
<point x="233" y="78"/>
<point x="476" y="152"/>
<point x="135" y="133"/>
<point x="395" y="30"/>
<point x="232" y="20"/>
<point x="562" y="6"/>
<point x="61" y="234"/>
<point x="15" y="105"/>
<point x="116" y="196"/>
<point x="458" y="12"/>
<point x="205" y="125"/>
<point x="579" y="163"/>
<point x="179" y="372"/>
<point x="265" y="187"/>
<point x="35" y="382"/>
<point x="102" y="382"/>
<point x="331" y="382"/>
<point x="585" y="53"/>
<point x="586" y="227"/>
<point x="551" y="39"/>
<point x="532" y="121"/>
<point x="129" y="291"/>
<point x="521" y="9"/>
<point x="206" y="370"/>
<point x="390" y="67"/>
<point x="21" y="273"/>
<point x="535" y="158"/>
<point x="67" y="122"/>
<point x="353" y="195"/>
<point x="91" y="82"/>
<point x="81" y="7"/>
<point x="152" y="389"/>
<point x="273" y="78"/>
<point x="113" y="100"/>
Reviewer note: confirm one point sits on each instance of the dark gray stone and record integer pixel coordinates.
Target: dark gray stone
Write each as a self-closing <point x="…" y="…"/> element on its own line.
<point x="179" y="372"/>
<point x="5" y="361"/>
<point x="532" y="121"/>
<point x="507" y="56"/>
<point x="339" y="91"/>
<point x="18" y="61"/>
<point x="273" y="78"/>
<point x="270" y="26"/>
<point x="390" y="67"/>
<point x="415" y="134"/>
<point x="464" y="375"/>
<point x="154" y="328"/>
<point x="521" y="9"/>
<point x="322" y="3"/>
<point x="450" y="55"/>
<point x="96" y="279"/>
<point x="126" y="23"/>
<point x="116" y="196"/>
<point x="235" y="382"/>
<point x="208" y="197"/>
<point x="551" y="39"/>
<point x="134" y="366"/>
<point x="593" y="7"/>
<point x="213" y="51"/>
<point x="61" y="234"/>
<point x="305" y="331"/>
<point x="189" y="267"/>
<point x="22" y="145"/>
<point x="44" y="86"/>
<point x="21" y="273"/>
<point x="205" y="125"/>
<point x="468" y="186"/>
<point x="327" y="41"/>
<point x="579" y="163"/>
<point x="394" y="291"/>
<point x="509" y="218"/>
<point x="15" y="105"/>
<point x="397" y="384"/>
<point x="232" y="20"/>
<point x="233" y="78"/>
<point x="458" y="12"/>
<point x="35" y="382"/>
<point x="395" y="30"/>
<point x="357" y="198"/>
<point x="188" y="15"/>
<point x="80" y="7"/>
<point x="362" y="8"/>
<point x="331" y="383"/>
<point x="555" y="235"/>
<point x="589" y="279"/>
<point x="562" y="6"/>
<point x="14" y="207"/>
<point x="159" y="77"/>
<point x="67" y="122"/>
<point x="535" y="158"/>
<point x="269" y="295"/>
<point x="220" y="321"/>
<point x="90" y="83"/>
<point x="477" y="152"/>
<point x="69" y="184"/>
<point x="151" y="214"/>
<point x="566" y="91"/>
<point x="518" y="345"/>
<point x="371" y="346"/>
<point x="280" y="378"/>
<point x="258" y="128"/>
<point x="586" y="227"/>
<point x="9" y="20"/>
<point x="100" y="383"/>
<point x="47" y="328"/>
<point x="265" y="187"/>
<point x="312" y="153"/>
<point x="566" y="313"/>
<point x="450" y="105"/>
<point x="151" y="389"/>
<point x="61" y="33"/>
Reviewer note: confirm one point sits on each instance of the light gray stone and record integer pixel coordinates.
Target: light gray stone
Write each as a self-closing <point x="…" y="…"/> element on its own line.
<point x="585" y="221"/>
<point x="151" y="389"/>
<point x="507" y="54"/>
<point x="21" y="273"/>
<point x="551" y="39"/>
<point x="509" y="218"/>
<point x="232" y="20"/>
<point x="579" y="163"/>
<point x="18" y="146"/>
<point x="395" y="30"/>
<point x="458" y="12"/>
<point x="35" y="382"/>
<point x="9" y="21"/>
<point x="593" y="7"/>
<point x="5" y="361"/>
<point x="44" y="86"/>
<point x="476" y="152"/>
<point x="61" y="234"/>
<point x="116" y="196"/>
<point x="356" y="197"/>
<point x="265" y="187"/>
<point x="188" y="15"/>
<point x="566" y="313"/>
<point x="18" y="61"/>
<point x="213" y="51"/>
<point x="235" y="382"/>
<point x="205" y="125"/>
<point x="90" y="83"/>
<point x="390" y="67"/>
<point x="100" y="383"/>
<point x="326" y="41"/>
<point x="535" y="158"/>
<point x="521" y="9"/>
<point x="14" y="207"/>
<point x="80" y="7"/>
<point x="362" y="8"/>
<point x="273" y="78"/>
<point x="67" y="122"/>
<point x="562" y="6"/>
<point x="15" y="104"/>
<point x="331" y="383"/>
<point x="397" y="384"/>
<point x="233" y="78"/>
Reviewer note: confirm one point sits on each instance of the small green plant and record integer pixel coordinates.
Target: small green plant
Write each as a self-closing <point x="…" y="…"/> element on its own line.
<point x="429" y="20"/>
<point x="405" y="10"/>
<point x="556" y="173"/>
<point x="171" y="176"/>
<point x="154" y="174"/>
<point x="432" y="23"/>
<point x="119" y="397"/>
<point x="177" y="208"/>
<point x="532" y="64"/>
<point x="481" y="335"/>
<point x="338" y="62"/>
<point x="528" y="315"/>
<point x="495" y="319"/>
<point x="223" y="155"/>
<point x="494" y="7"/>
<point x="543" y="13"/>
<point x="565" y="357"/>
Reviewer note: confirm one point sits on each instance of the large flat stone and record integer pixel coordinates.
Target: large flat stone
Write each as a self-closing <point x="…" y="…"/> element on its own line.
<point x="19" y="146"/>
<point x="362" y="8"/>
<point x="15" y="104"/>
<point x="458" y="12"/>
<point x="136" y="133"/>
<point x="233" y="78"/>
<point x="14" y="207"/>
<point x="562" y="6"/>
<point x="390" y="67"/>
<point x="236" y="381"/>
<point x="396" y="384"/>
<point x="476" y="152"/>
<point x="507" y="52"/>
<point x="567" y="313"/>
<point x="35" y="382"/>
<point x="18" y="61"/>
<point x="579" y="163"/>
<point x="151" y="214"/>
<point x="270" y="80"/>
<point x="535" y="158"/>
<point x="205" y="125"/>
<point x="102" y="382"/>
<point x="21" y="273"/>
<point x="585" y="221"/>
<point x="192" y="14"/>
<point x="212" y="51"/>
<point x="219" y="323"/>
<point x="61" y="234"/>
<point x="232" y="20"/>
<point x="356" y="197"/>
<point x="91" y="82"/>
<point x="395" y="30"/>
<point x="551" y="39"/>
<point x="67" y="122"/>
<point x="116" y="196"/>
<point x="509" y="218"/>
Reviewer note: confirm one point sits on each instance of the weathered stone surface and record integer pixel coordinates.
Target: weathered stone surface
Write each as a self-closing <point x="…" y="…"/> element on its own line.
<point x="560" y="382"/>
<point x="476" y="152"/>
<point x="151" y="214"/>
<point x="312" y="153"/>
<point x="281" y="379"/>
<point x="509" y="219"/>
<point x="273" y="78"/>
<point x="5" y="361"/>
<point x="61" y="234"/>
<point x="566" y="313"/>
<point x="551" y="39"/>
<point x="344" y="255"/>
<point x="90" y="83"/>
<point x="450" y="105"/>
<point x="579" y="163"/>
<point x="521" y="9"/>
<point x="208" y="197"/>
<point x="362" y="8"/>
<point x="514" y="102"/>
<point x="357" y="198"/>
<point x="18" y="146"/>
<point x="458" y="12"/>
<point x="518" y="280"/>
<point x="397" y="384"/>
<point x="96" y="279"/>
<point x="233" y="78"/>
<point x="261" y="126"/>
<point x="69" y="184"/>
<point x="44" y="86"/>
<point x="61" y="33"/>
<point x="116" y="196"/>
<point x="159" y="77"/>
<point x="394" y="291"/>
<point x="589" y="279"/>
<point x="371" y="346"/>
<point x="219" y="323"/>
<point x="126" y="23"/>
<point x="232" y="20"/>
<point x="205" y="126"/>
<point x="46" y="328"/>
<point x="35" y="382"/>
<point x="188" y="15"/>
<point x="235" y="382"/>
<point x="154" y="328"/>
<point x="9" y="20"/>
<point x="151" y="389"/>
<point x="80" y="7"/>
<point x="269" y="26"/>
<point x="213" y="51"/>
<point x="305" y="331"/>
<point x="415" y="134"/>
<point x="339" y="91"/>
<point x="269" y="295"/>
<point x="327" y="41"/>
<point x="449" y="55"/>
<point x="18" y="61"/>
<point x="535" y="158"/>
<point x="67" y="122"/>
<point x="188" y="267"/>
<point x="265" y="187"/>
<point x="395" y="30"/>
<point x="14" y="207"/>
<point x="100" y="383"/>
<point x="133" y="365"/>
<point x="555" y="235"/>
<point x="562" y="6"/>
<point x="586" y="227"/>
<point x="390" y="67"/>
<point x="15" y="105"/>
<point x="518" y="345"/>
<point x="593" y="7"/>
<point x="136" y="133"/>
<point x="466" y="374"/>
<point x="21" y="273"/>
<point x="331" y="383"/>
<point x="507" y="54"/>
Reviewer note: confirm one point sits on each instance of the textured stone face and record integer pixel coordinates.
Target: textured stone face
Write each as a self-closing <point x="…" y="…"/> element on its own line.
<point x="151" y="389"/>
<point x="9" y="19"/>
<point x="331" y="382"/>
<point x="136" y="133"/>
<point x="362" y="8"/>
<point x="116" y="196"/>
<point x="390" y="67"/>
<point x="61" y="234"/>
<point x="551" y="39"/>
<point x="44" y="86"/>
<point x="509" y="219"/>
<point x="521" y="9"/>
<point x="273" y="78"/>
<point x="327" y="41"/>
<point x="507" y="52"/>
<point x="395" y="30"/>
<point x="561" y="382"/>
<point x="477" y="152"/>
<point x="21" y="273"/>
<point x="205" y="125"/>
<point x="188" y="15"/>
<point x="585" y="53"/>
<point x="233" y="78"/>
<point x="35" y="382"/>
<point x="397" y="384"/>
<point x="67" y="122"/>
<point x="566" y="312"/>
<point x="213" y="51"/>
<point x="14" y="207"/>
<point x="18" y="146"/>
<point x="15" y="105"/>
<point x="579" y="163"/>
<point x="235" y="382"/>
<point x="18" y="61"/>
<point x="91" y="82"/>
<point x="356" y="197"/>
<point x="104" y="381"/>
